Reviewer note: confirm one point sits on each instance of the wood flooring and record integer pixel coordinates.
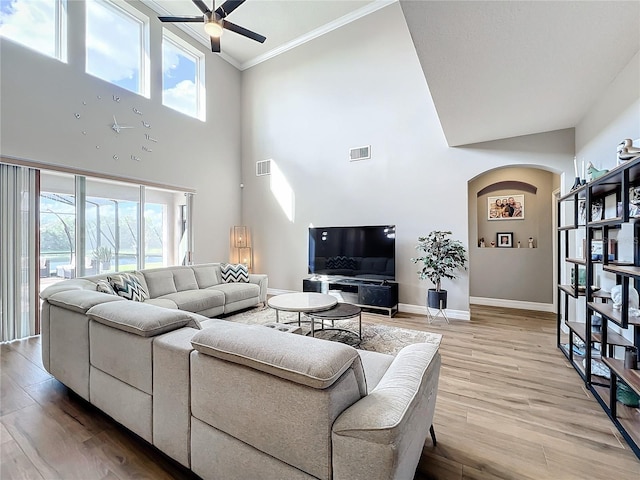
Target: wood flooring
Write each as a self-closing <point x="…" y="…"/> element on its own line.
<point x="509" y="407"/>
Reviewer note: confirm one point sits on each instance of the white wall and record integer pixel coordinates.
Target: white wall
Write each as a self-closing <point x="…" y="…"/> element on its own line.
<point x="613" y="118"/>
<point x="40" y="96"/>
<point x="307" y="107"/>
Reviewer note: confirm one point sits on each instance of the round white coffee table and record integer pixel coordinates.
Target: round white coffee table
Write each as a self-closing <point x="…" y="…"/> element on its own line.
<point x="301" y="303"/>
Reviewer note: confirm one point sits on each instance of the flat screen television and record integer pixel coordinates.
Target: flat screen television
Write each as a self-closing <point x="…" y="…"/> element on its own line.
<point x="367" y="252"/>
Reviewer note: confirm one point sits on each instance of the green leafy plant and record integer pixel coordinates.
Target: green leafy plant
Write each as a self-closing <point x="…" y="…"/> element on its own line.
<point x="102" y="254"/>
<point x="440" y="257"/>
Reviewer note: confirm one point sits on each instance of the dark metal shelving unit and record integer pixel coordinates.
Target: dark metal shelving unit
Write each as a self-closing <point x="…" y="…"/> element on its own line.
<point x="616" y="182"/>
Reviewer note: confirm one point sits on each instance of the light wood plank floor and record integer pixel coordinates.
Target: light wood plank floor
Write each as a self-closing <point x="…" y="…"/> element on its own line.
<point x="509" y="407"/>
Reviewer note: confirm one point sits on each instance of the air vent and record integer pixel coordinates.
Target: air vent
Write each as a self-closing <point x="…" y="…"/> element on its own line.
<point x="263" y="167"/>
<point x="360" y="153"/>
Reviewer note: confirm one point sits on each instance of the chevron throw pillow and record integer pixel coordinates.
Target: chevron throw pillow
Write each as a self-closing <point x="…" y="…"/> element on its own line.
<point x="127" y="285"/>
<point x="232" y="272"/>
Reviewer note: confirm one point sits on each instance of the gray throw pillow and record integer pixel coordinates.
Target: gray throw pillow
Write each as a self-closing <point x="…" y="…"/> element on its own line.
<point x="105" y="287"/>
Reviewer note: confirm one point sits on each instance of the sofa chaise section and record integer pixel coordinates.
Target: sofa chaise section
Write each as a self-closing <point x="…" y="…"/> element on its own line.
<point x="297" y="407"/>
<point x="121" y="344"/>
<point x="277" y="394"/>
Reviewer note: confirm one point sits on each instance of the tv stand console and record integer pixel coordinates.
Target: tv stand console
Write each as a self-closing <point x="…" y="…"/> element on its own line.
<point x="373" y="294"/>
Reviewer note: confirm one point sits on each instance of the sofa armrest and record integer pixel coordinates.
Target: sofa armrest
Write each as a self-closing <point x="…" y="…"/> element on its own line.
<point x="382" y="435"/>
<point x="68" y="285"/>
<point x="263" y="281"/>
<point x="81" y="300"/>
<point x="142" y="319"/>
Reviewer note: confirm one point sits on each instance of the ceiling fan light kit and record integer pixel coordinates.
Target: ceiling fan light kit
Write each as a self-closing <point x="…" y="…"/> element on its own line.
<point x="213" y="28"/>
<point x="215" y="23"/>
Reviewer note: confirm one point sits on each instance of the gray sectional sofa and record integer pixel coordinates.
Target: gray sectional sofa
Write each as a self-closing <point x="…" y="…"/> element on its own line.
<point x="237" y="401"/>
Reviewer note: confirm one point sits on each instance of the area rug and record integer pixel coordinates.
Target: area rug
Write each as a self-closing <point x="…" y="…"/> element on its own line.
<point x="376" y="338"/>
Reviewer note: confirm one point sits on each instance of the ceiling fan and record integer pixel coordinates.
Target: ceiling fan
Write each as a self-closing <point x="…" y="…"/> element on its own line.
<point x="215" y="23"/>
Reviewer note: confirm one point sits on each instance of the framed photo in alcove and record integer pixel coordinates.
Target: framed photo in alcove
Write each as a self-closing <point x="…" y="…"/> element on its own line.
<point x="504" y="239"/>
<point x="506" y="207"/>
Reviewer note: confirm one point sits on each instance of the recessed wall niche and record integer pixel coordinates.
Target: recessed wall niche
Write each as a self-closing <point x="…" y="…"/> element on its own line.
<point x="507" y="272"/>
<point x="507" y="206"/>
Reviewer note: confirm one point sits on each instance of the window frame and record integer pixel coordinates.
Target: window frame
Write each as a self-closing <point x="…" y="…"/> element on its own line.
<point x="200" y="61"/>
<point x="120" y="7"/>
<point x="59" y="36"/>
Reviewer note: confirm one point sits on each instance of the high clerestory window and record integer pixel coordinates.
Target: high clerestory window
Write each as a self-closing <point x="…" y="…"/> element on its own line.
<point x="38" y="24"/>
<point x="117" y="39"/>
<point x="182" y="76"/>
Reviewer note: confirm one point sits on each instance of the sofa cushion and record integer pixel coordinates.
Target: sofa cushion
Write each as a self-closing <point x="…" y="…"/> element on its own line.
<point x="375" y="365"/>
<point x="185" y="279"/>
<point x="141" y="318"/>
<point x="196" y="300"/>
<point x="234" y="272"/>
<point x="236" y="292"/>
<point x="159" y="282"/>
<point x="162" y="302"/>
<point x="304" y="360"/>
<point x="206" y="275"/>
<point x="129" y="286"/>
<point x="105" y="287"/>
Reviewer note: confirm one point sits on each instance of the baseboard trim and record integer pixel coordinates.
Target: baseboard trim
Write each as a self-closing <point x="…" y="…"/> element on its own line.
<point x="498" y="302"/>
<point x="422" y="310"/>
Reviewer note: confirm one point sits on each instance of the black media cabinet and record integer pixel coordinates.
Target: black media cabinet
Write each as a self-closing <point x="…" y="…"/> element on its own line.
<point x="376" y="295"/>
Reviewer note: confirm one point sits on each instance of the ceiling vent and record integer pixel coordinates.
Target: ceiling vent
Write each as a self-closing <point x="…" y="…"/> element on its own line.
<point x="360" y="153"/>
<point x="263" y="167"/>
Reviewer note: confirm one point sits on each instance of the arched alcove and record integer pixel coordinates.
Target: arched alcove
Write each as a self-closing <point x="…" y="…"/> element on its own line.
<point x="507" y="275"/>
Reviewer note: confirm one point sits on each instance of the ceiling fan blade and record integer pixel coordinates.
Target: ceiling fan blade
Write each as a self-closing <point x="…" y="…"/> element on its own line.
<point x="243" y="31"/>
<point x="181" y="19"/>
<point x="215" y="44"/>
<point x="229" y="6"/>
<point x="202" y="6"/>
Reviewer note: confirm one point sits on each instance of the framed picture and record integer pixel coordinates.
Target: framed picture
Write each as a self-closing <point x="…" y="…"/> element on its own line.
<point x="506" y="207"/>
<point x="504" y="239"/>
<point x="596" y="210"/>
<point x="582" y="212"/>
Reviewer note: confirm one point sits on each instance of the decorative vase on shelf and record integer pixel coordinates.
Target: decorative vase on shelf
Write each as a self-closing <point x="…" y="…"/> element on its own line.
<point x="630" y="358"/>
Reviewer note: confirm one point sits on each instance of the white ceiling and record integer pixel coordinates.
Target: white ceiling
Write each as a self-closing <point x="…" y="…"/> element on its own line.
<point x="505" y="69"/>
<point x="285" y="23"/>
<point x="495" y="69"/>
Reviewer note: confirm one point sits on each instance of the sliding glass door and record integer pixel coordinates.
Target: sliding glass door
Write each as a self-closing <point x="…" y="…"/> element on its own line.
<point x="56" y="226"/>
<point x="120" y="227"/>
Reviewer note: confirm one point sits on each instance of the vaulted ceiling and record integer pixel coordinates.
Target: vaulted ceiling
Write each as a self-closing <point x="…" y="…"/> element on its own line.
<point x="505" y="69"/>
<point x="495" y="69"/>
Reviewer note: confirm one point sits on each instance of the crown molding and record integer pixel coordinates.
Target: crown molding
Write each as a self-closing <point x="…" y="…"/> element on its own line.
<point x="201" y="38"/>
<point x="318" y="32"/>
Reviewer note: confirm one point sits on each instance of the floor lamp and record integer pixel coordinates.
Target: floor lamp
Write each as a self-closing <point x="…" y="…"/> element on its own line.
<point x="242" y="245"/>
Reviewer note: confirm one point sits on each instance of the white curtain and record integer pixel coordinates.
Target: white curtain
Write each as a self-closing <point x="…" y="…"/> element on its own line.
<point x="18" y="243"/>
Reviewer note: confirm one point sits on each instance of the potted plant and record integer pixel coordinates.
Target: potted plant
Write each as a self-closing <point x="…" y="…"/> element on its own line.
<point x="103" y="255"/>
<point x="440" y="258"/>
